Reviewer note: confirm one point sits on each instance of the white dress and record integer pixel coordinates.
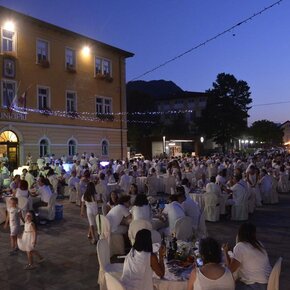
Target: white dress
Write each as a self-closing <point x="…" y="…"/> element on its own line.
<point x="137" y="272"/>
<point x="225" y="282"/>
<point x="25" y="243"/>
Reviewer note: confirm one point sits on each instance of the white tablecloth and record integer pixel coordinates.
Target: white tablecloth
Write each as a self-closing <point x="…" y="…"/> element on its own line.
<point x="198" y="198"/>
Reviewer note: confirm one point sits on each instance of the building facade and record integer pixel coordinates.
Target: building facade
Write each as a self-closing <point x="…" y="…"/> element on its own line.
<point x="286" y="138"/>
<point x="61" y="92"/>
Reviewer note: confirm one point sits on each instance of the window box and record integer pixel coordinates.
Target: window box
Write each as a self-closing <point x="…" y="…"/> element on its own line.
<point x="44" y="63"/>
<point x="72" y="114"/>
<point x="105" y="117"/>
<point x="70" y="68"/>
<point x="46" y="111"/>
<point x="9" y="54"/>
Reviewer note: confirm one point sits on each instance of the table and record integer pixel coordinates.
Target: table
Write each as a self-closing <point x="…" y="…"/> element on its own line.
<point x="198" y="198"/>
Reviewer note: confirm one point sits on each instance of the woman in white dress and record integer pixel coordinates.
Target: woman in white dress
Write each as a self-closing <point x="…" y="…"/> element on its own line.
<point x="211" y="275"/>
<point x="283" y="182"/>
<point x="141" y="208"/>
<point x="250" y="258"/>
<point x="141" y="262"/>
<point x="91" y="200"/>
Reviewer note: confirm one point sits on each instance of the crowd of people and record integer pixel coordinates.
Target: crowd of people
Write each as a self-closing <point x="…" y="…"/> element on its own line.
<point x="114" y="190"/>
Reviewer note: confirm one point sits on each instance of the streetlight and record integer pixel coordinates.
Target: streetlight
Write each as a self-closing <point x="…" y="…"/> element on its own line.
<point x="201" y="139"/>
<point x="9" y="25"/>
<point x="164" y="147"/>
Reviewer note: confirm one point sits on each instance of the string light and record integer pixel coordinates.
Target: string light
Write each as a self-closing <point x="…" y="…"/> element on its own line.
<point x="229" y="30"/>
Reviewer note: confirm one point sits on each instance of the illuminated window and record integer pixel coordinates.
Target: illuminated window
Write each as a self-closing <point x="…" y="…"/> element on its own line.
<point x="42" y="51"/>
<point x="8" y="93"/>
<point x="8" y="136"/>
<point x="8" y="40"/>
<point x="105" y="148"/>
<point x="43" y="147"/>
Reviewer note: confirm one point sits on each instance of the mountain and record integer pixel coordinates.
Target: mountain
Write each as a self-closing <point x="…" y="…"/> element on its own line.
<point x="157" y="89"/>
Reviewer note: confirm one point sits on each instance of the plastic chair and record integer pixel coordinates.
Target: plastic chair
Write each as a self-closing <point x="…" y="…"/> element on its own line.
<point x="105" y="265"/>
<point x="115" y="241"/>
<point x="136" y="226"/>
<point x="48" y="212"/>
<point x="183" y="228"/>
<point x="212" y="208"/>
<point x="113" y="283"/>
<point x="273" y="283"/>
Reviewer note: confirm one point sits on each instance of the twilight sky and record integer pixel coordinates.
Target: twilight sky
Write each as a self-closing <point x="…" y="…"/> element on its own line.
<point x="157" y="30"/>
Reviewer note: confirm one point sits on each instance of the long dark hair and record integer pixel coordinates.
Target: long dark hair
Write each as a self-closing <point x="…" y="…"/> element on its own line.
<point x="140" y="200"/>
<point x="247" y="233"/>
<point x="90" y="192"/>
<point x="143" y="241"/>
<point x="210" y="251"/>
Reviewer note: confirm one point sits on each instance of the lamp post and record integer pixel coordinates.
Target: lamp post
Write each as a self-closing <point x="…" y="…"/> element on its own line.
<point x="164" y="145"/>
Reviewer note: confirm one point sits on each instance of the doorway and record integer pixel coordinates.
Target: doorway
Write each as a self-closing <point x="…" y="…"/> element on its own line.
<point x="9" y="149"/>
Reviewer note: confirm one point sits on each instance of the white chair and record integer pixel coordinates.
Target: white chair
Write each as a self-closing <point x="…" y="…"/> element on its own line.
<point x="273" y="283"/>
<point x="2" y="213"/>
<point x="72" y="194"/>
<point x="211" y="208"/>
<point x="136" y="226"/>
<point x="105" y="265"/>
<point x="183" y="228"/>
<point x="113" y="283"/>
<point x="48" y="212"/>
<point x="115" y="241"/>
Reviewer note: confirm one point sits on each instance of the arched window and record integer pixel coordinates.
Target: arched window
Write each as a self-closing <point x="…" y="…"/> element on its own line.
<point x="105" y="148"/>
<point x="43" y="147"/>
<point x="72" y="146"/>
<point x="8" y="136"/>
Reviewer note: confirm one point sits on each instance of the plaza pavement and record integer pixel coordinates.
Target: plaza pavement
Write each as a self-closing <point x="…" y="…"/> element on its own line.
<point x="71" y="261"/>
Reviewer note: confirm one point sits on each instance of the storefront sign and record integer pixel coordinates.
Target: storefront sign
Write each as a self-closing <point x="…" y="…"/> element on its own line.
<point x="12" y="116"/>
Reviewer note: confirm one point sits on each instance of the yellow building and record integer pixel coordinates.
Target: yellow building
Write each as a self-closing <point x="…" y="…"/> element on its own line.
<point x="73" y="86"/>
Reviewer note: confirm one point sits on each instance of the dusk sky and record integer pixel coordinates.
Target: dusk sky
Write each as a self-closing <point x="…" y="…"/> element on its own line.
<point x="157" y="30"/>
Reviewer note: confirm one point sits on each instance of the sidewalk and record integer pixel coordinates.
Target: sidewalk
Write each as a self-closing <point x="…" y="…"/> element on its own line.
<point x="71" y="261"/>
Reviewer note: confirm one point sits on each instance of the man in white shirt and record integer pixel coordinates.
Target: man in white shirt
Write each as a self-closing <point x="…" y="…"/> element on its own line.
<point x="190" y="207"/>
<point x="119" y="216"/>
<point x="173" y="211"/>
<point x="44" y="192"/>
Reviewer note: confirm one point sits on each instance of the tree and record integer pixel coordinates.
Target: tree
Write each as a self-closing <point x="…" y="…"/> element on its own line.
<point x="226" y="113"/>
<point x="267" y="131"/>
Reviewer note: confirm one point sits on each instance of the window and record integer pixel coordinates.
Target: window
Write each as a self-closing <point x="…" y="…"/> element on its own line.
<point x="103" y="66"/>
<point x="70" y="58"/>
<point x="72" y="148"/>
<point x="105" y="148"/>
<point x="103" y="105"/>
<point x="8" y="93"/>
<point x="43" y="98"/>
<point x="71" y="102"/>
<point x="43" y="147"/>
<point x="42" y="51"/>
<point x="8" y="40"/>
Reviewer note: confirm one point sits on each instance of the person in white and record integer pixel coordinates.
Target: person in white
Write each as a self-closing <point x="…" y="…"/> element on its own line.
<point x="250" y="258"/>
<point x="239" y="192"/>
<point x="265" y="186"/>
<point x="141" y="262"/>
<point x="141" y="209"/>
<point x="44" y="192"/>
<point x="189" y="206"/>
<point x="28" y="177"/>
<point x="125" y="181"/>
<point x="119" y="216"/>
<point x="212" y="275"/>
<point x="91" y="199"/>
<point x="173" y="211"/>
<point x="152" y="182"/>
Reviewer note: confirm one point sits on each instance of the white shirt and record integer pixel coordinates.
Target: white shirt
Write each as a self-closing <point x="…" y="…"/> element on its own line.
<point x="116" y="215"/>
<point x="141" y="212"/>
<point x="45" y="193"/>
<point x="20" y="192"/>
<point x="92" y="206"/>
<point x="255" y="266"/>
<point x="239" y="194"/>
<point x="174" y="211"/>
<point x="192" y="210"/>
